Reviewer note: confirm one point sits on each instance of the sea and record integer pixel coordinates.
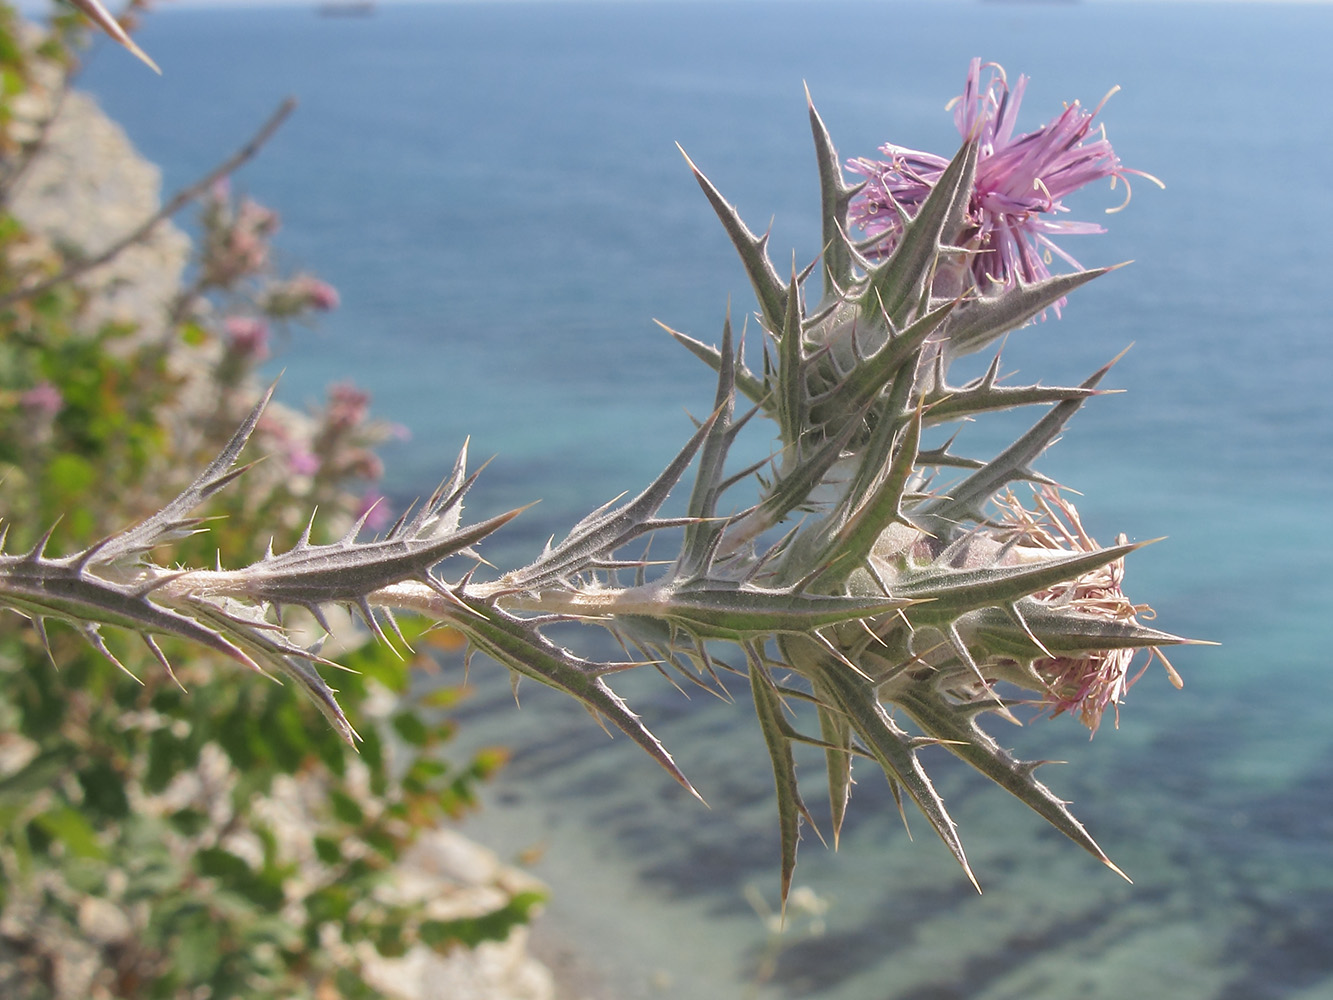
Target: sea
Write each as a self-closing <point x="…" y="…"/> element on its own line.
<point x="497" y="193"/>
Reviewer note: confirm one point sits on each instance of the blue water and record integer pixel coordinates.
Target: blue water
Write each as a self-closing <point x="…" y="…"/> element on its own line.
<point x="495" y="191"/>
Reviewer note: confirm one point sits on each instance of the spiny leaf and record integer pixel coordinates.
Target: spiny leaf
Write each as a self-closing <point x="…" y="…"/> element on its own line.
<point x="1062" y="631"/>
<point x="952" y="592"/>
<point x="968" y="498"/>
<point x="870" y="377"/>
<point x="897" y="286"/>
<point x="750" y="385"/>
<point x="173" y="522"/>
<point x="347" y="570"/>
<point x="986" y="318"/>
<point x="802" y="477"/>
<point x="517" y="645"/>
<point x="768" y="708"/>
<point x="835" y="196"/>
<point x="791" y="393"/>
<point x="946" y="404"/>
<point x="744" y="612"/>
<point x="836" y="731"/>
<point x="892" y="748"/>
<point x="852" y="543"/>
<point x="40" y="588"/>
<point x="753" y="251"/>
<point x="264" y="643"/>
<point x="701" y="536"/>
<point x="959" y="733"/>
<point x="111" y="26"/>
<point x="600" y="534"/>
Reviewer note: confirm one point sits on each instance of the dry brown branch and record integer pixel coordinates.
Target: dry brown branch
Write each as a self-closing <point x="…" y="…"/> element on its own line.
<point x="177" y="202"/>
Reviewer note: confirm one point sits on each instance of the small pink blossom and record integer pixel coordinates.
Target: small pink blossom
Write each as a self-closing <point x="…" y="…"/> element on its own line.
<point x="302" y="462"/>
<point x="247" y="336"/>
<point x="42" y="400"/>
<point x="320" y="294"/>
<point x="297" y="295"/>
<point x="236" y="238"/>
<point x="348" y="406"/>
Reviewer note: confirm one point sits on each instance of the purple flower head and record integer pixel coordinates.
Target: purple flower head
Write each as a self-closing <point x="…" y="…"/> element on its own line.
<point x="1020" y="182"/>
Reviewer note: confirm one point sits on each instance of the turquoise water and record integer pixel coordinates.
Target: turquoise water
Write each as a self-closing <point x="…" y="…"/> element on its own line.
<point x="495" y="191"/>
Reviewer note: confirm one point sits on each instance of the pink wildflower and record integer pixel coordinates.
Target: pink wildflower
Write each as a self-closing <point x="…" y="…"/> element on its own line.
<point x="348" y="406"/>
<point x="247" y="336"/>
<point x="302" y="462"/>
<point x="236" y="239"/>
<point x="1020" y="182"/>
<point x="289" y="298"/>
<point x="42" y="400"/>
<point x="319" y="294"/>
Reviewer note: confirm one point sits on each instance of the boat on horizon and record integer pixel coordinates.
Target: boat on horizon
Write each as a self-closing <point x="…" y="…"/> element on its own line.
<point x="345" y="8"/>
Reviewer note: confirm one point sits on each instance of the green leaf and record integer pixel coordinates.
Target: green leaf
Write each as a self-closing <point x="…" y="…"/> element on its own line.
<point x="390" y="938"/>
<point x="188" y="822"/>
<point x="70" y="475"/>
<point x="472" y="931"/>
<point x="262" y="888"/>
<point x="345" y="808"/>
<point x="409" y="726"/>
<point x="168" y="756"/>
<point x="197" y="949"/>
<point x="382" y="842"/>
<point x="330" y="904"/>
<point x="444" y="697"/>
<point x="41" y="772"/>
<point x="214" y="862"/>
<point x="328" y="850"/>
<point x="68" y="826"/>
<point x="104" y="790"/>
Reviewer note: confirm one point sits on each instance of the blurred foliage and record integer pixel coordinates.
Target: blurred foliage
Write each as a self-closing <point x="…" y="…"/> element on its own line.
<point x="208" y="834"/>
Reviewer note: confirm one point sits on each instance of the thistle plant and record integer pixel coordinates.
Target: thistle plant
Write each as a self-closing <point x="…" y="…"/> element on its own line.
<point x="884" y="593"/>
